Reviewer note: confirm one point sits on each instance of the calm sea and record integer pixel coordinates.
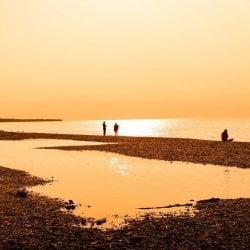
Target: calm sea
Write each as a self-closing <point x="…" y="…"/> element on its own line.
<point x="210" y="129"/>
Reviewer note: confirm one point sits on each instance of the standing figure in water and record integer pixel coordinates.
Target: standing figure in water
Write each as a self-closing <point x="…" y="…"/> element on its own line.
<point x="104" y="126"/>
<point x="116" y="127"/>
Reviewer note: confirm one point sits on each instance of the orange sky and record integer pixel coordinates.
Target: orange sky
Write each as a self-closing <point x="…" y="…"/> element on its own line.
<point x="89" y="59"/>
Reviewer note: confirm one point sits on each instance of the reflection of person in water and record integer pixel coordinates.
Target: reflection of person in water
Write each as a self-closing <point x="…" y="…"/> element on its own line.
<point x="116" y="127"/>
<point x="224" y="135"/>
<point x="104" y="126"/>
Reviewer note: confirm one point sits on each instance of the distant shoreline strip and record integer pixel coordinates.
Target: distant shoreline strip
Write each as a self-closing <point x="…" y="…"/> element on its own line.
<point x="30" y="120"/>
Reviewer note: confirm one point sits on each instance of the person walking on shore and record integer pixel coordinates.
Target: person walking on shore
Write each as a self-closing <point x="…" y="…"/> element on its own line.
<point x="104" y="126"/>
<point x="116" y="127"/>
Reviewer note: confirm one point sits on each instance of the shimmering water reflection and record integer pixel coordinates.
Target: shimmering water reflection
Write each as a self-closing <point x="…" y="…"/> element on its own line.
<point x="208" y="129"/>
<point x="108" y="184"/>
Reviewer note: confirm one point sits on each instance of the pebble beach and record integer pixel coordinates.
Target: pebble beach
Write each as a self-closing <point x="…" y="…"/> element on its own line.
<point x="36" y="221"/>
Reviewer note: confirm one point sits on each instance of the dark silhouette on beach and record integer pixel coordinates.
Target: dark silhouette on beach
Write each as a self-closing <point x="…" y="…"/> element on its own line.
<point x="104" y="126"/>
<point x="116" y="128"/>
<point x="224" y="135"/>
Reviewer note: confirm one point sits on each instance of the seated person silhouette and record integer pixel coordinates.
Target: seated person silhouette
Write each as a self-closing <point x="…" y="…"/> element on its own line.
<point x="224" y="136"/>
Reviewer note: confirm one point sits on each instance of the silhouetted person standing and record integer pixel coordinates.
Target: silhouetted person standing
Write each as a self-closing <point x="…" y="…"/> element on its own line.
<point x="104" y="126"/>
<point x="116" y="127"/>
<point x="224" y="135"/>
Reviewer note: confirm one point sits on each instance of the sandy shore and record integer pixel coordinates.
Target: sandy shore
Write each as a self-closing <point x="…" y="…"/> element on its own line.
<point x="37" y="222"/>
<point x="235" y="154"/>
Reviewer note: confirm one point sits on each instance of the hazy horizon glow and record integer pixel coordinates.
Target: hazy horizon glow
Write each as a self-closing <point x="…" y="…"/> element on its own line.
<point x="116" y="59"/>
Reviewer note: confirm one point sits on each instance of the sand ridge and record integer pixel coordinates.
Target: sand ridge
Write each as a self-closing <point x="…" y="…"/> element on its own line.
<point x="235" y="154"/>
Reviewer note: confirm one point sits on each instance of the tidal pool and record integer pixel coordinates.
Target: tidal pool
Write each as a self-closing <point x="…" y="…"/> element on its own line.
<point x="111" y="185"/>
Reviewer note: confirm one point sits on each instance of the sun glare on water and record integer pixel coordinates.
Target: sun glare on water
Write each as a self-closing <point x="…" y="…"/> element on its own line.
<point x="141" y="128"/>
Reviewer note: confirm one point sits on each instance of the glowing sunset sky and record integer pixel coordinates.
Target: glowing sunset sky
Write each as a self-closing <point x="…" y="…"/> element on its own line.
<point x="89" y="59"/>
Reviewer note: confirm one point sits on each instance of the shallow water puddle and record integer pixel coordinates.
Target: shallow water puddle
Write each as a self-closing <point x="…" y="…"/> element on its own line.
<point x="111" y="185"/>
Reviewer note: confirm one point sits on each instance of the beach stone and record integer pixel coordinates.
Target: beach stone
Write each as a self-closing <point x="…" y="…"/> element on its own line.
<point x="21" y="193"/>
<point x="101" y="221"/>
<point x="70" y="205"/>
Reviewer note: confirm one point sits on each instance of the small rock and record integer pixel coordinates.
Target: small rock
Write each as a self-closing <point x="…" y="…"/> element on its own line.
<point x="70" y="205"/>
<point x="101" y="221"/>
<point x="21" y="193"/>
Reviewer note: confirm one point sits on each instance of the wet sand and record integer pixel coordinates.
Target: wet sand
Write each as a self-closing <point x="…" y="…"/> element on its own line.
<point x="37" y="222"/>
<point x="235" y="154"/>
